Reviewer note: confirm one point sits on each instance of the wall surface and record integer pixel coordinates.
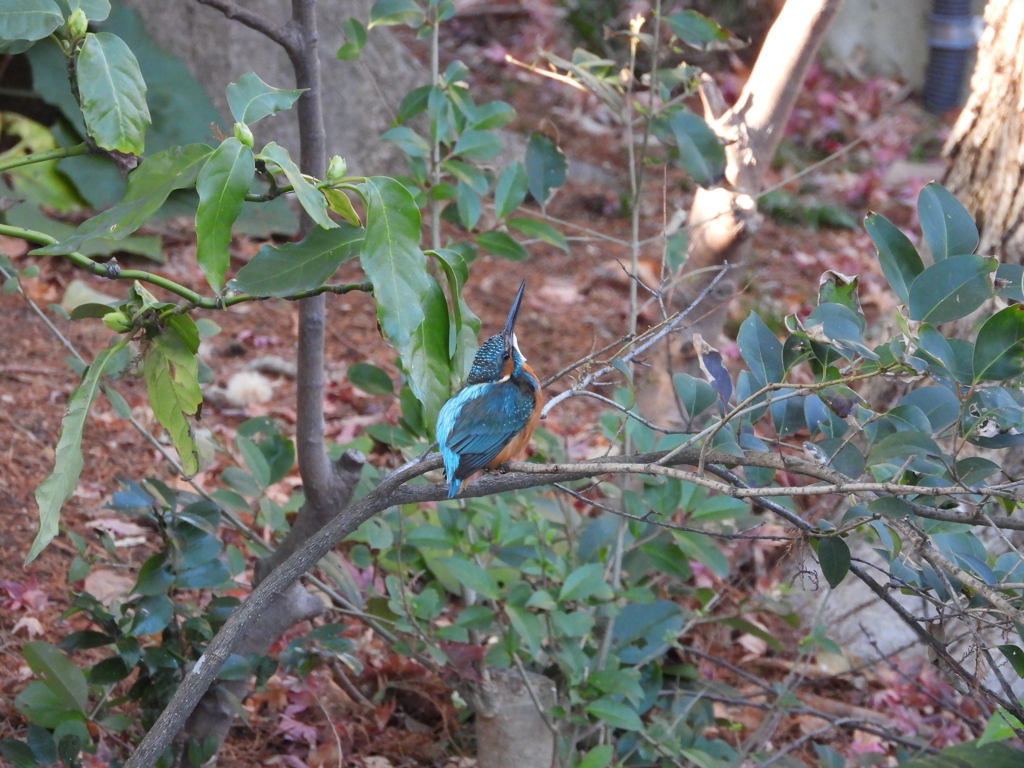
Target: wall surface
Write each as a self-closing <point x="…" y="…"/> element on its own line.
<point x="359" y="96"/>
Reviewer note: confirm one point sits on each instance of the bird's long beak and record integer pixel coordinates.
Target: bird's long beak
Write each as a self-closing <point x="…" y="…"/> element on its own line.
<point x="510" y="323"/>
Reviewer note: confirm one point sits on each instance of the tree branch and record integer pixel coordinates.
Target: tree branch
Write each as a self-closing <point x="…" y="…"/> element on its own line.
<point x="282" y="35"/>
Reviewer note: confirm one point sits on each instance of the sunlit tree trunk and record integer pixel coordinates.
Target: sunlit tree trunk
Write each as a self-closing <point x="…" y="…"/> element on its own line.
<point x="986" y="147"/>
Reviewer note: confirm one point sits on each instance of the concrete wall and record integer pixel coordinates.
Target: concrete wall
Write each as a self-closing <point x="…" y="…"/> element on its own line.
<point x="359" y="97"/>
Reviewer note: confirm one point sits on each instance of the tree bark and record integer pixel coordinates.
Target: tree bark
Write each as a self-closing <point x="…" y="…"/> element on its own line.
<point x="722" y="220"/>
<point x="986" y="147"/>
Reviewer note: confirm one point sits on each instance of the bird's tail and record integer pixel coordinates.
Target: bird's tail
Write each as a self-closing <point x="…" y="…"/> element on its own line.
<point x="453" y="487"/>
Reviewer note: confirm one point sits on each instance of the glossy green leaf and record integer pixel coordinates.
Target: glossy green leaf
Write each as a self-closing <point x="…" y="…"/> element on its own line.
<point x="414" y="103"/>
<point x="700" y="153"/>
<point x="695" y="394"/>
<point x="644" y="630"/>
<point x="615" y="714"/>
<point x="761" y="350"/>
<point x="973" y="754"/>
<point x="900" y="261"/>
<point x="583" y="582"/>
<point x="57" y="672"/>
<point x="152" y="614"/>
<point x="1015" y="656"/>
<point x="834" y="558"/>
<point x="67" y="466"/>
<point x="502" y="244"/>
<point x="408" y="141"/>
<point x="1013" y="274"/>
<point x="999" y="349"/>
<point x="471" y="575"/>
<point x="250" y="99"/>
<point x="309" y="197"/>
<point x="478" y="145"/>
<point x="948" y="228"/>
<point x="222" y="185"/>
<point x="148" y="187"/>
<point x="939" y="405"/>
<point x="462" y="339"/>
<point x="539" y="230"/>
<point x="112" y="94"/>
<point x="696" y="30"/>
<point x="389" y="12"/>
<point x="44" y="707"/>
<point x="598" y="757"/>
<point x="290" y="268"/>
<point x="527" y="625"/>
<point x="111" y="670"/>
<point x="171" y="373"/>
<point x="468" y="174"/>
<point x="951" y="289"/>
<point x="29" y="19"/>
<point x="467" y="205"/>
<point x="340" y="203"/>
<point x="901" y="445"/>
<point x="510" y="191"/>
<point x="411" y="307"/>
<point x="493" y="114"/>
<point x="355" y="39"/>
<point x="370" y="379"/>
<point x="155" y="576"/>
<point x="890" y="506"/>
<point x="545" y="167"/>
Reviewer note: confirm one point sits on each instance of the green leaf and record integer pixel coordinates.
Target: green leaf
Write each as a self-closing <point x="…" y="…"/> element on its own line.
<point x="973" y="754"/>
<point x="94" y="10"/>
<point x="414" y="103"/>
<point x="172" y="373"/>
<point x="527" y="625"/>
<point x="834" y="558"/>
<point x="462" y="340"/>
<point x="545" y="167"/>
<point x="310" y="198"/>
<point x="999" y="350"/>
<point x="948" y="228"/>
<point x="222" y="186"/>
<point x="1015" y="656"/>
<point x="493" y="114"/>
<point x="355" y="37"/>
<point x="478" y="145"/>
<point x="109" y="671"/>
<point x="411" y="307"/>
<point x="29" y="19"/>
<point x="951" y="289"/>
<point x="598" y="757"/>
<point x="696" y="395"/>
<point x="250" y="99"/>
<point x="254" y="459"/>
<point x="389" y="12"/>
<point x="148" y="187"/>
<point x="152" y="614"/>
<point x="502" y="244"/>
<point x="901" y="445"/>
<point x="539" y="230"/>
<point x="468" y="174"/>
<point x="700" y="153"/>
<point x="583" y="582"/>
<point x="471" y="575"/>
<point x="155" y="576"/>
<point x="288" y="269"/>
<point x="890" y="506"/>
<point x="67" y="466"/>
<point x="370" y="379"/>
<point x="57" y="672"/>
<point x="467" y="205"/>
<point x="900" y="261"/>
<point x="112" y="94"/>
<point x="510" y="190"/>
<point x="696" y="30"/>
<point x="761" y="350"/>
<point x="615" y="714"/>
<point x="407" y="140"/>
<point x="340" y="203"/>
<point x="44" y="707"/>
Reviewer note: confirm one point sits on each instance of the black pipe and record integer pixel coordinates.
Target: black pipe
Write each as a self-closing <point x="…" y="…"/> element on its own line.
<point x="952" y="34"/>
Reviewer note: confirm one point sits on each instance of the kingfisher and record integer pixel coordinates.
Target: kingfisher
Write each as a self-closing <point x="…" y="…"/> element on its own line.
<point x="493" y="417"/>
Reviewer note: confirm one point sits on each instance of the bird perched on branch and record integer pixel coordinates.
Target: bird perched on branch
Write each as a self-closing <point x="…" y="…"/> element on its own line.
<point x="492" y="418"/>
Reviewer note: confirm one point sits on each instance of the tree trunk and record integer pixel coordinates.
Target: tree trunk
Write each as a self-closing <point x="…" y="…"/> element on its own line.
<point x="721" y="220"/>
<point x="986" y="147"/>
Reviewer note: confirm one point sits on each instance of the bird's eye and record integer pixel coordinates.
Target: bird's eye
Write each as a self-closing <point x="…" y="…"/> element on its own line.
<point x="505" y="355"/>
